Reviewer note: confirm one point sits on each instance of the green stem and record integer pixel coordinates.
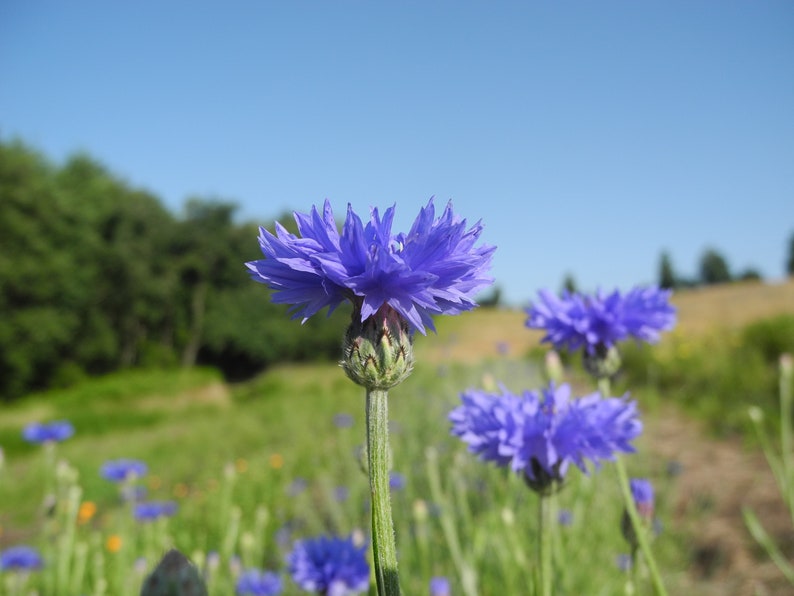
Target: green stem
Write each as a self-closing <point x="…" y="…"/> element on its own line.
<point x="631" y="508"/>
<point x="546" y="527"/>
<point x="384" y="549"/>
<point x="639" y="530"/>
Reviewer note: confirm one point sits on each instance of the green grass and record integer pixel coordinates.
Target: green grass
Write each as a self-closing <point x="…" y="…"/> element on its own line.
<point x="231" y="455"/>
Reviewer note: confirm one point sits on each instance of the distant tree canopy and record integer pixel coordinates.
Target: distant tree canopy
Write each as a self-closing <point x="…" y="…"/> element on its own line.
<point x="667" y="277"/>
<point x="96" y="276"/>
<point x="790" y="258"/>
<point x="714" y="268"/>
<point x="569" y="284"/>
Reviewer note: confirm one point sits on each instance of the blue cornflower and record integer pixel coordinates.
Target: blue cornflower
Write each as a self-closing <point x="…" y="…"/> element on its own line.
<point x="331" y="566"/>
<point x="433" y="269"/>
<point x="48" y="433"/>
<point x="151" y="510"/>
<point x="258" y="583"/>
<point x="599" y="322"/>
<point x="540" y="434"/>
<point x="396" y="481"/>
<point x="642" y="493"/>
<point x="121" y="470"/>
<point x="439" y="586"/>
<point x="565" y="517"/>
<point x="20" y="558"/>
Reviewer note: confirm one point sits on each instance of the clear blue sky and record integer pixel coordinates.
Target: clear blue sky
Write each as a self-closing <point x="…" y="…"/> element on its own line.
<point x="588" y="136"/>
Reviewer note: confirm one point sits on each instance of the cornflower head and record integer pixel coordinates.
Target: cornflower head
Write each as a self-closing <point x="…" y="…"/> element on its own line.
<point x="152" y="510"/>
<point x="258" y="583"/>
<point x="20" y="558"/>
<point x="396" y="282"/>
<point x="597" y="323"/>
<point x="539" y="434"/>
<point x="54" y="432"/>
<point x="330" y="566"/>
<point x="123" y="470"/>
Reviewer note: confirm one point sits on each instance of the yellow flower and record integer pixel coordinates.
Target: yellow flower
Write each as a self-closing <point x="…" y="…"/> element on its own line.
<point x="276" y="461"/>
<point x="86" y="512"/>
<point x="241" y="465"/>
<point x="113" y="543"/>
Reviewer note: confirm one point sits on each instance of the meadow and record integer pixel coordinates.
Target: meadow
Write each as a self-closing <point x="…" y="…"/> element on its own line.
<point x="254" y="466"/>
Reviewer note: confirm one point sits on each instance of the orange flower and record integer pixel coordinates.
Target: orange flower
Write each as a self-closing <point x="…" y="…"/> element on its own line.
<point x="86" y="512"/>
<point x="276" y="461"/>
<point x="113" y="543"/>
<point x="181" y="490"/>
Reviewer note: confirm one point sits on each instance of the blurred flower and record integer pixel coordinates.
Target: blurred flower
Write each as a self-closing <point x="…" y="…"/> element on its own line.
<point x="241" y="465"/>
<point x="623" y="562"/>
<point x="343" y="420"/>
<point x="20" y="558"/>
<point x="213" y="561"/>
<point x="539" y="434"/>
<point x="502" y="347"/>
<point x="113" y="543"/>
<point x="341" y="493"/>
<point x="565" y="517"/>
<point x="297" y="486"/>
<point x="330" y="566"/>
<point x="642" y="493"/>
<point x="151" y="510"/>
<point x="123" y="470"/>
<point x="598" y="322"/>
<point x="86" y="512"/>
<point x="258" y="583"/>
<point x="276" y="461"/>
<point x="133" y="492"/>
<point x="439" y="586"/>
<point x="396" y="481"/>
<point x="48" y="433"/>
<point x="433" y="269"/>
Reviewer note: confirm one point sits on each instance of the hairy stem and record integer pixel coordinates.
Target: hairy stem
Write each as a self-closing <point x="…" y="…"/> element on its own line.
<point x="384" y="549"/>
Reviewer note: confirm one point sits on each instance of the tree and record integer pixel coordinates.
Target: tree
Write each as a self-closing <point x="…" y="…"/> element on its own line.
<point x="714" y="268"/>
<point x="667" y="277"/>
<point x="790" y="263"/>
<point x="569" y="284"/>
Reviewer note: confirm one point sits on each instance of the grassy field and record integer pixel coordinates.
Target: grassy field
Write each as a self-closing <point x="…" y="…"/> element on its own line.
<point x="257" y="465"/>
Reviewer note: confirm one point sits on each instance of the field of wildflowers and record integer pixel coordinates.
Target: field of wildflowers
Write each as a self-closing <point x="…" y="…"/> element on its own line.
<point x="288" y="484"/>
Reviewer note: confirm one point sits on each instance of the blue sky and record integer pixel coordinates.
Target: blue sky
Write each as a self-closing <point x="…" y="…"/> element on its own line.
<point x="588" y="136"/>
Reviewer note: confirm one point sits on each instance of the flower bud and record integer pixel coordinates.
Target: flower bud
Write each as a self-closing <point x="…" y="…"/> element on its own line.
<point x="603" y="362"/>
<point x="174" y="575"/>
<point x="378" y="352"/>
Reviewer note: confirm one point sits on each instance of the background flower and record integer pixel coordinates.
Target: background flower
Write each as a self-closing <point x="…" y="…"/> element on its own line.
<point x="120" y="470"/>
<point x="433" y="269"/>
<point x="540" y="434"/>
<point x="151" y="510"/>
<point x="573" y="320"/>
<point x="52" y="432"/>
<point x="258" y="583"/>
<point x="642" y="493"/>
<point x="329" y="565"/>
<point x="20" y="558"/>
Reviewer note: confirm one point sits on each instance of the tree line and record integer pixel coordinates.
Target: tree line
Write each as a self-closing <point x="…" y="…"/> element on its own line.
<point x="96" y="275"/>
<point x="713" y="269"/>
